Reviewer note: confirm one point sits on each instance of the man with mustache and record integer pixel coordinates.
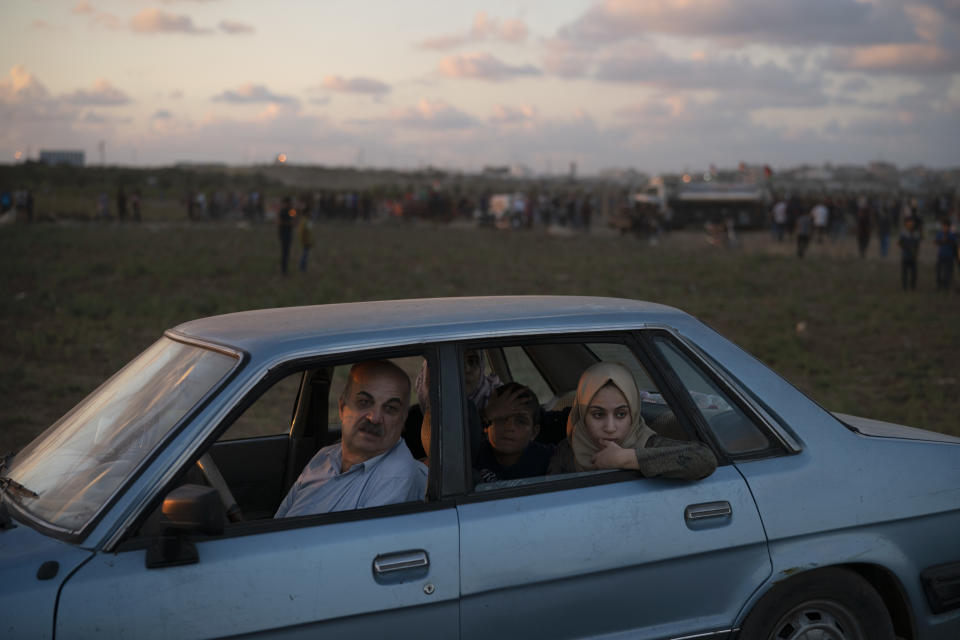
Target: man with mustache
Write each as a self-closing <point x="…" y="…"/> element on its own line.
<point x="371" y="465"/>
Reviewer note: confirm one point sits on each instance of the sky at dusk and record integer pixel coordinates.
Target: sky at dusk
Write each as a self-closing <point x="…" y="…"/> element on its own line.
<point x="656" y="85"/>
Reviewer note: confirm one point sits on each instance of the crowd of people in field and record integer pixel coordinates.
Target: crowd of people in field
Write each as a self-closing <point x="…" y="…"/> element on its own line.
<point x="518" y="209"/>
<point x="893" y="223"/>
<point x="903" y="219"/>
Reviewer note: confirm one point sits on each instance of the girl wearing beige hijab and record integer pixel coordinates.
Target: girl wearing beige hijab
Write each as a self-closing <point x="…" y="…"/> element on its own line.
<point x="605" y="430"/>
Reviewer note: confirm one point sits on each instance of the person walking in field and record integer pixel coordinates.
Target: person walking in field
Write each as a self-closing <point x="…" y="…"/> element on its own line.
<point x="779" y="219"/>
<point x="946" y="241"/>
<point x="909" y="250"/>
<point x="804" y="231"/>
<point x="305" y="238"/>
<point x="821" y="216"/>
<point x="286" y="218"/>
<point x="864" y="222"/>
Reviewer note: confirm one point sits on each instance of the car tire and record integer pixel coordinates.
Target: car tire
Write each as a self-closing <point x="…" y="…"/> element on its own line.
<point x="831" y="604"/>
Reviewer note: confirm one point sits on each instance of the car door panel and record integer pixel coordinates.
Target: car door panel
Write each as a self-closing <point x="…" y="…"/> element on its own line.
<point x="295" y="581"/>
<point x="624" y="556"/>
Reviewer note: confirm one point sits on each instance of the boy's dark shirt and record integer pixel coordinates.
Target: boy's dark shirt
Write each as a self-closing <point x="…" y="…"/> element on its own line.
<point x="533" y="462"/>
<point x="909" y="245"/>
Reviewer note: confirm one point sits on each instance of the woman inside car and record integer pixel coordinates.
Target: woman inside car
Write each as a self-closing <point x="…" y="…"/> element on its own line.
<point x="606" y="431"/>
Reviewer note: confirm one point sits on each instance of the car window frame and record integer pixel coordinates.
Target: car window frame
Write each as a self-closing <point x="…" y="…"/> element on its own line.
<point x="563" y="482"/>
<point x="132" y="540"/>
<point x="779" y="446"/>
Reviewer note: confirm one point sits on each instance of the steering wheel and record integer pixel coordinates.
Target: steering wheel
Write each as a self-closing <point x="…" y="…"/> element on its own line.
<point x="215" y="479"/>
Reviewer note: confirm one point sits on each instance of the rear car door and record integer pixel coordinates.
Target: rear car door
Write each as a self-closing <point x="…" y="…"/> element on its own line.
<point x="657" y="558"/>
<point x="607" y="552"/>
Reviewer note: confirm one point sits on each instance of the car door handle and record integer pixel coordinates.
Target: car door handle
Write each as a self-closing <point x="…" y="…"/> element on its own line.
<point x="704" y="510"/>
<point x="400" y="561"/>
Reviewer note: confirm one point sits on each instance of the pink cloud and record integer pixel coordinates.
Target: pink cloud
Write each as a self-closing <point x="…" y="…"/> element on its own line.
<point x="235" y="28"/>
<point x="503" y="114"/>
<point x="511" y="31"/>
<point x="483" y="66"/>
<point x="83" y="8"/>
<point x="250" y="93"/>
<point x="21" y="86"/>
<point x="355" y="85"/>
<point x="103" y="94"/>
<point x="151" y="21"/>
<point x="898" y="58"/>
<point x="432" y="114"/>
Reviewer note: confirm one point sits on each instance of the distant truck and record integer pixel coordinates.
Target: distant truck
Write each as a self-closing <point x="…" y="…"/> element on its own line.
<point x="674" y="204"/>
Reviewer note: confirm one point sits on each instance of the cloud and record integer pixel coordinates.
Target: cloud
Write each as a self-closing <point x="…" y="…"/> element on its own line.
<point x="161" y="114"/>
<point x="427" y="114"/>
<point x="103" y="94"/>
<point x="484" y="28"/>
<point x="41" y="25"/>
<point x="94" y="118"/>
<point x="358" y="84"/>
<point x="443" y="43"/>
<point x="152" y="21"/>
<point x="744" y="21"/>
<point x="235" y="28"/>
<point x="854" y="84"/>
<point x="647" y="66"/>
<point x="873" y="36"/>
<point x="503" y="114"/>
<point x="253" y="94"/>
<point x="897" y="58"/>
<point x="668" y="115"/>
<point x="108" y="20"/>
<point x="21" y="86"/>
<point x="83" y="8"/>
<point x="483" y="66"/>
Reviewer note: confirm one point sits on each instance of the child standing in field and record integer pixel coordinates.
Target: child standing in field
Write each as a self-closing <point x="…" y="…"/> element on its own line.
<point x="804" y="230"/>
<point x="305" y="237"/>
<point x="946" y="241"/>
<point x="909" y="249"/>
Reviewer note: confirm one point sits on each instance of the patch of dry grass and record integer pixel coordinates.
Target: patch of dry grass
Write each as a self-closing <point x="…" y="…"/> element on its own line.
<point x="79" y="300"/>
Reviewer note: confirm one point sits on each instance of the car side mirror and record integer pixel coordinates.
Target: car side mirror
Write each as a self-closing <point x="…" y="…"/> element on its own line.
<point x="189" y="508"/>
<point x="193" y="508"/>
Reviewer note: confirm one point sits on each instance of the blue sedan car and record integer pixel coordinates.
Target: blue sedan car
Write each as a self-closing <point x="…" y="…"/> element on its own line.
<point x="147" y="510"/>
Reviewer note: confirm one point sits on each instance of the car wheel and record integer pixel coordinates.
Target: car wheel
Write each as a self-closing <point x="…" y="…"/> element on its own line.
<point x="826" y="604"/>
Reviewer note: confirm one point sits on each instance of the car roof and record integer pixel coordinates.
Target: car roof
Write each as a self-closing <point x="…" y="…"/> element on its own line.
<point x="360" y="325"/>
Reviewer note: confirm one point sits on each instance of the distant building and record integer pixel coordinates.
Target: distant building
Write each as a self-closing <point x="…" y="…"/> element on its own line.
<point x="57" y="157"/>
<point x="496" y="171"/>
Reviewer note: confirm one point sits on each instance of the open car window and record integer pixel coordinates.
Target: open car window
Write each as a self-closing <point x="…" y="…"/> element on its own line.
<point x="299" y="411"/>
<point x="271" y="415"/>
<point x="552" y="372"/>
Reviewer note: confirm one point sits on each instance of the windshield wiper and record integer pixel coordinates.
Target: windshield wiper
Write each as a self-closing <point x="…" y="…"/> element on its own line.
<point x="11" y="485"/>
<point x="17" y="489"/>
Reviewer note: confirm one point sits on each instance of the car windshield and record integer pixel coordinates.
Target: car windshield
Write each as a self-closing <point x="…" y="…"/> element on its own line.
<point x="68" y="473"/>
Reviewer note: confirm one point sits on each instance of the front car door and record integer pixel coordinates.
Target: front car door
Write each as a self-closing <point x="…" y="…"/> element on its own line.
<point x="389" y="567"/>
<point x="316" y="577"/>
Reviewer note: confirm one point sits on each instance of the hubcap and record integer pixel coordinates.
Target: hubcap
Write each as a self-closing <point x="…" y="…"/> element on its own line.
<point x="818" y="620"/>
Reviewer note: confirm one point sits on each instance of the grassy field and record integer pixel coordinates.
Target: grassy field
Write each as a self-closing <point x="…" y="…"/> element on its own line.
<point x="79" y="300"/>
